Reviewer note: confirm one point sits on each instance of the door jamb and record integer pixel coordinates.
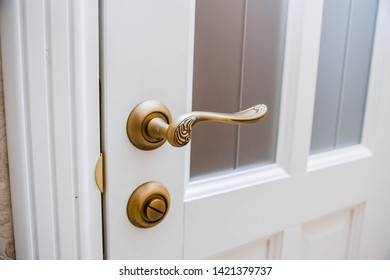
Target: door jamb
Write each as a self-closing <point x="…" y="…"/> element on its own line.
<point x="51" y="86"/>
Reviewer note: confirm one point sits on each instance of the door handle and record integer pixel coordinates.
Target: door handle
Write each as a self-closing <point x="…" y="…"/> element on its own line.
<point x="150" y="123"/>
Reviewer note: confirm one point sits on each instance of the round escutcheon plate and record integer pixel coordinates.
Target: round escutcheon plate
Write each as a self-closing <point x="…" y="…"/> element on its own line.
<point x="148" y="205"/>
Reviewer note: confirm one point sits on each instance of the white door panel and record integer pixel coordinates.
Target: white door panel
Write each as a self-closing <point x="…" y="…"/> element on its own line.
<point x="325" y="206"/>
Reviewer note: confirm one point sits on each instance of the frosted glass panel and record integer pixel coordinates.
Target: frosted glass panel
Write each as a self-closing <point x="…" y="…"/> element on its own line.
<point x="344" y="66"/>
<point x="238" y="60"/>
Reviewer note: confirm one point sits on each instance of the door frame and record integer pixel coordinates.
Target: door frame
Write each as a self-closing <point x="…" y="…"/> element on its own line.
<point x="50" y="55"/>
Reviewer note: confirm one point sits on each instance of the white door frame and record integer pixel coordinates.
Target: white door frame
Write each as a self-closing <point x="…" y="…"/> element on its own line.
<point x="50" y="55"/>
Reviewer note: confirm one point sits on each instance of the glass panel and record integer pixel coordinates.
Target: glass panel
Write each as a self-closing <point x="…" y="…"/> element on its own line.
<point x="239" y="46"/>
<point x="262" y="78"/>
<point x="217" y="74"/>
<point x="344" y="66"/>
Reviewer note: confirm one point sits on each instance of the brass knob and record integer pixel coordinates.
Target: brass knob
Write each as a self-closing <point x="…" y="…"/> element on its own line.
<point x="148" y="205"/>
<point x="150" y="123"/>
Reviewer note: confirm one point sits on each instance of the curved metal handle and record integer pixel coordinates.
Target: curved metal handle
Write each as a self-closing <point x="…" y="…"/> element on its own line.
<point x="150" y="123"/>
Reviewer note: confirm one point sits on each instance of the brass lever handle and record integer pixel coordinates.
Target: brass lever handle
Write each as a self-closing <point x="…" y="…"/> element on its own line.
<point x="150" y="123"/>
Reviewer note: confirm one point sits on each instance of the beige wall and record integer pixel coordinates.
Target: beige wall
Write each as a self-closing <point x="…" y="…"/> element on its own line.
<point x="7" y="248"/>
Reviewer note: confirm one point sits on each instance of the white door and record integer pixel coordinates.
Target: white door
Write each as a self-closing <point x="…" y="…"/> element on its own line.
<point x="306" y="199"/>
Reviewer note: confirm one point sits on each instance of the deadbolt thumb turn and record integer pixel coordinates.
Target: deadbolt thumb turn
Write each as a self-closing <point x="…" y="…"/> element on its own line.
<point x="150" y="123"/>
<point x="148" y="205"/>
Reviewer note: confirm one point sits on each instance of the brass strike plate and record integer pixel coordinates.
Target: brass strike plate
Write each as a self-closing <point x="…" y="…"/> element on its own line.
<point x="148" y="205"/>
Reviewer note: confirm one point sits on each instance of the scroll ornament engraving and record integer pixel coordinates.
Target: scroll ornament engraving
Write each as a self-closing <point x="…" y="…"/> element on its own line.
<point x="182" y="135"/>
<point x="259" y="109"/>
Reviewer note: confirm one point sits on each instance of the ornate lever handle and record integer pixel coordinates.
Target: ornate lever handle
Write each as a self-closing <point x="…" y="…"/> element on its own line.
<point x="150" y="123"/>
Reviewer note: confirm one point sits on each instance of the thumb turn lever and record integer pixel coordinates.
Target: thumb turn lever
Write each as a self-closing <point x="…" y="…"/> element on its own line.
<point x="150" y="123"/>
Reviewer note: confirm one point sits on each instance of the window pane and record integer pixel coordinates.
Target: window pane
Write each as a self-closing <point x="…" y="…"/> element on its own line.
<point x="344" y="66"/>
<point x="239" y="48"/>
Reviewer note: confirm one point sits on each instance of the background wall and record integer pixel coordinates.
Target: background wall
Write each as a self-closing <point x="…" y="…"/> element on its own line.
<point x="7" y="247"/>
